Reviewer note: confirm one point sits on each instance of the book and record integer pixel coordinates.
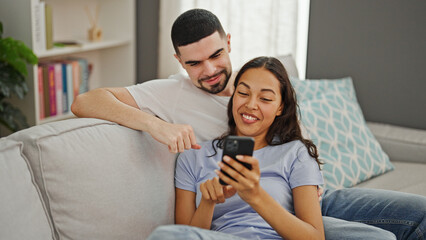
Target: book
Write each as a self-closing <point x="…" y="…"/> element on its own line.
<point x="58" y="87"/>
<point x="84" y="81"/>
<point x="52" y="89"/>
<point x="59" y="83"/>
<point x="49" y="26"/>
<point x="65" y="108"/>
<point x="40" y="92"/>
<point x="46" y="96"/>
<point x="83" y="74"/>
<point x="70" y="84"/>
<point x="39" y="26"/>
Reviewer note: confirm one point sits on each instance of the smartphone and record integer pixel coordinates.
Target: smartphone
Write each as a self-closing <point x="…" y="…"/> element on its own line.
<point x="236" y="145"/>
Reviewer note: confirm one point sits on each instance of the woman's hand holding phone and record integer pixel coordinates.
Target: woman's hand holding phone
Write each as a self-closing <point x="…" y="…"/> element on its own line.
<point x="237" y="145"/>
<point x="245" y="181"/>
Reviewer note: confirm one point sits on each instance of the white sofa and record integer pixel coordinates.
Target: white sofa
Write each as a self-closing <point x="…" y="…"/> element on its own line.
<point x="93" y="179"/>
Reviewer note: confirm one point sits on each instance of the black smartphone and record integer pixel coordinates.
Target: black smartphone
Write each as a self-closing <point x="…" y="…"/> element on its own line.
<point x="236" y="145"/>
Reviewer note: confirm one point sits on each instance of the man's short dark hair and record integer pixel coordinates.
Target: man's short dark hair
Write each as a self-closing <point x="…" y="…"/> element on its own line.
<point x="194" y="25"/>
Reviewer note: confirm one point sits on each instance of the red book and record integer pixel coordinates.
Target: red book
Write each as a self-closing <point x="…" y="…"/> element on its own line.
<point x="40" y="92"/>
<point x="52" y="89"/>
<point x="46" y="97"/>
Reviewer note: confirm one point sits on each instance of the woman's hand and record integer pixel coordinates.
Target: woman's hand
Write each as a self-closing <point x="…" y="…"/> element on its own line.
<point x="214" y="192"/>
<point x="246" y="181"/>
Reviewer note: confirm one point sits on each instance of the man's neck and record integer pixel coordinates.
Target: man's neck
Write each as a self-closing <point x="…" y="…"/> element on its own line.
<point x="229" y="90"/>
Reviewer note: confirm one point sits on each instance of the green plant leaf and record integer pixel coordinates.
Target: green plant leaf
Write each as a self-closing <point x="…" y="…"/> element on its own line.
<point x="11" y="117"/>
<point x="26" y="53"/>
<point x="11" y="81"/>
<point x="21" y="90"/>
<point x="17" y="54"/>
<point x="10" y="55"/>
<point x="14" y="57"/>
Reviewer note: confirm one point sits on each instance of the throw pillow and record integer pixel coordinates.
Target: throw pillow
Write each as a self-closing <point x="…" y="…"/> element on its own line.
<point x="335" y="123"/>
<point x="310" y="89"/>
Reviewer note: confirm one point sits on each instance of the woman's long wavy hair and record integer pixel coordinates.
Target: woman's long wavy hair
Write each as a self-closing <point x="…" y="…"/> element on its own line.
<point x="285" y="127"/>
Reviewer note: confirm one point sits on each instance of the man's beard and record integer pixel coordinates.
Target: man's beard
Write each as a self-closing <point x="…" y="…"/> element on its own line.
<point x="218" y="87"/>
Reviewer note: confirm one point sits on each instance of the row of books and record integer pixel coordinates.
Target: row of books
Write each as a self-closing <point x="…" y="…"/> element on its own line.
<point x="59" y="82"/>
<point x="42" y="25"/>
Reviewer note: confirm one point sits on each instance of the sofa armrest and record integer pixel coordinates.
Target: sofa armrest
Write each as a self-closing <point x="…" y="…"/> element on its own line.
<point x="400" y="143"/>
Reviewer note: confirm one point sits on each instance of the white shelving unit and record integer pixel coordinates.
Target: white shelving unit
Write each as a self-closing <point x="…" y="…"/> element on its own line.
<point x="85" y="47"/>
<point x="113" y="58"/>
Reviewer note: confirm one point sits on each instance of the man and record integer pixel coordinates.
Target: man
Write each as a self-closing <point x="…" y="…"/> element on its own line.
<point x="182" y="110"/>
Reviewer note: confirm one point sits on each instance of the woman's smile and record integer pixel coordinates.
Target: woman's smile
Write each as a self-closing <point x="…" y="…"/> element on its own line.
<point x="256" y="103"/>
<point x="248" y="118"/>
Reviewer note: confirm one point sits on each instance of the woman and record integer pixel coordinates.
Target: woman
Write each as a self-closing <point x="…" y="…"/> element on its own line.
<point x="277" y="198"/>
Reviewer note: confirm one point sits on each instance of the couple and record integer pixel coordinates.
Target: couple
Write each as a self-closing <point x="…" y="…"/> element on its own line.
<point x="181" y="111"/>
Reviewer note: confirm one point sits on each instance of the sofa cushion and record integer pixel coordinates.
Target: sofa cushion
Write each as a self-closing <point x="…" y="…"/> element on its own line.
<point x="401" y="143"/>
<point x="102" y="180"/>
<point x="22" y="214"/>
<point x="335" y="123"/>
<point x="407" y="177"/>
<point x="289" y="64"/>
<point x="310" y="89"/>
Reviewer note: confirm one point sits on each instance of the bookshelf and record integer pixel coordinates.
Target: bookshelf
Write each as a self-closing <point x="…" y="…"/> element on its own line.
<point x="113" y="58"/>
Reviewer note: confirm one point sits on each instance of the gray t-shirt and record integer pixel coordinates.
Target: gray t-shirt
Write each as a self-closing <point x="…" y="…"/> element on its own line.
<point x="177" y="100"/>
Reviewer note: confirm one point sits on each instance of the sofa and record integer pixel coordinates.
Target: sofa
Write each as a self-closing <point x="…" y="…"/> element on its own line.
<point x="94" y="179"/>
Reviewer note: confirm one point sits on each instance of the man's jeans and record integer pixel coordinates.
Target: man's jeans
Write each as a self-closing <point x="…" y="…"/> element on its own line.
<point x="354" y="213"/>
<point x="400" y="213"/>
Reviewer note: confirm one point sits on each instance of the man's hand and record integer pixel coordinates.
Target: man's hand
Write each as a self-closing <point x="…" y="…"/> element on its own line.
<point x="177" y="137"/>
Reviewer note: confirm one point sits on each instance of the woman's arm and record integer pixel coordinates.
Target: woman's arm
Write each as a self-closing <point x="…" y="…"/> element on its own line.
<point x="186" y="212"/>
<point x="184" y="206"/>
<point x="185" y="209"/>
<point x="307" y="224"/>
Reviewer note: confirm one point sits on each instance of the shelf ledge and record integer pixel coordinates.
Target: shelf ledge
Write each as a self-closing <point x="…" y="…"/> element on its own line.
<point x="64" y="116"/>
<point x="84" y="47"/>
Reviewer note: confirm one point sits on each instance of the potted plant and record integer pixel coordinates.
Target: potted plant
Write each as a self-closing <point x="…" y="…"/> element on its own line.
<point x="14" y="57"/>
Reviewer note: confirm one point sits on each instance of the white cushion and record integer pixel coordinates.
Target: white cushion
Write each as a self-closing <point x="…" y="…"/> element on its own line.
<point x="22" y="215"/>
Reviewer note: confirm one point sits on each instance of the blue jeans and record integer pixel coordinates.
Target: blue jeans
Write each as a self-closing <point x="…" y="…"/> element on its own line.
<point x="354" y="213"/>
<point x="183" y="232"/>
<point x="402" y="214"/>
<point x="340" y="229"/>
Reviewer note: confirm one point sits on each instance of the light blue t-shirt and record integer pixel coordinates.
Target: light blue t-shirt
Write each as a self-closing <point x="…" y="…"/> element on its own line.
<point x="283" y="167"/>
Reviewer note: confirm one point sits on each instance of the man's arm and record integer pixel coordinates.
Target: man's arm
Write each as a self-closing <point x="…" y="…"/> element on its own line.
<point x="118" y="105"/>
